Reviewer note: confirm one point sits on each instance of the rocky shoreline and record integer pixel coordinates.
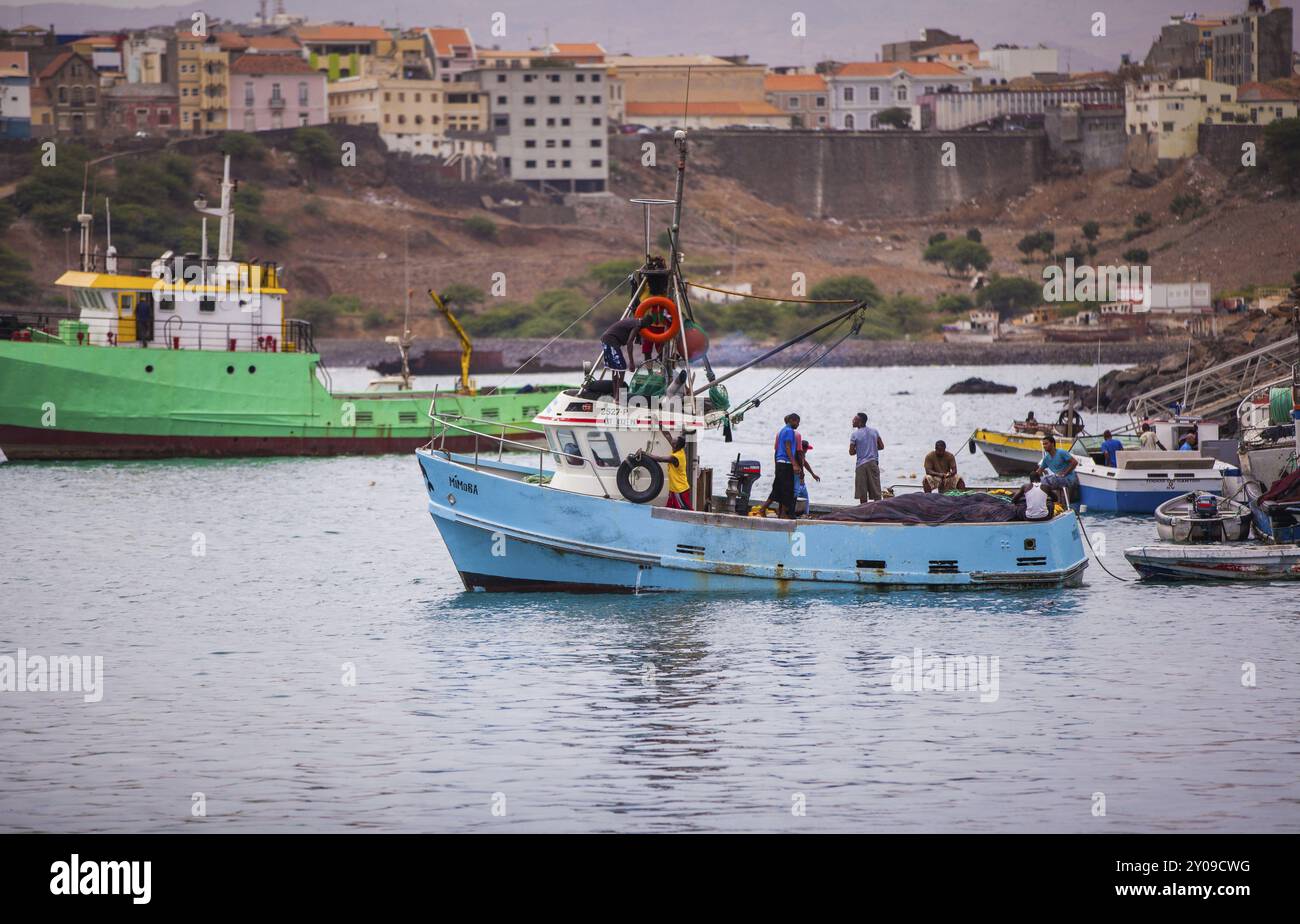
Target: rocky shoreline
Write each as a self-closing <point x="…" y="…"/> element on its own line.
<point x="1249" y="332"/>
<point x="569" y="355"/>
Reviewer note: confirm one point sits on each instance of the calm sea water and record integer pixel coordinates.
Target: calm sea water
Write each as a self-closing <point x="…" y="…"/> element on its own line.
<point x="224" y="672"/>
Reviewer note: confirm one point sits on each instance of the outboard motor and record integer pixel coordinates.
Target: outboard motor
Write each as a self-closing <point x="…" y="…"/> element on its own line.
<point x="1206" y="525"/>
<point x="740" y="481"/>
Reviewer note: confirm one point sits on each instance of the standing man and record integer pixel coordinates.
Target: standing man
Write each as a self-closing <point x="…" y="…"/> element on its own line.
<point x="941" y="471"/>
<point x="679" y="483"/>
<point x="788" y="467"/>
<point x="1111" y="446"/>
<point x="1057" y="468"/>
<point x="617" y="337"/>
<point x="865" y="443"/>
<point x="1149" y="441"/>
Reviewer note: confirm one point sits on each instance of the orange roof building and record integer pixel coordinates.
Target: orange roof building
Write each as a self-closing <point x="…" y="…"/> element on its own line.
<point x="804" y="97"/>
<point x="577" y="52"/>
<point x="452" y="52"/>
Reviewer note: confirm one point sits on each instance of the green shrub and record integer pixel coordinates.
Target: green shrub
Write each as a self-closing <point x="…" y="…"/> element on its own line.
<point x="485" y="229"/>
<point x="242" y="146"/>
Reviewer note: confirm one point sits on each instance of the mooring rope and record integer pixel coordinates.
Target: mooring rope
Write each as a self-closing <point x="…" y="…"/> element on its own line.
<point x="1094" y="552"/>
<point x="772" y="298"/>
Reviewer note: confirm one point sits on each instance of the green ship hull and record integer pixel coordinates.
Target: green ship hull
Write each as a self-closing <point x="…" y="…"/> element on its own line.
<point x="63" y="401"/>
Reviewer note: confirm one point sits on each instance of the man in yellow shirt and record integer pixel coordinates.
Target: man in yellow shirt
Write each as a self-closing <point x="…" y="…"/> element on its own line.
<point x="679" y="484"/>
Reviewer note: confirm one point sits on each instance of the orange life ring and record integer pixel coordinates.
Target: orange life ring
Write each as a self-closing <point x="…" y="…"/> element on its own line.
<point x="661" y="303"/>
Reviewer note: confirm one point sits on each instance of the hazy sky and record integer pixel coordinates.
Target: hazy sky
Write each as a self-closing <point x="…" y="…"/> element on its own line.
<point x="845" y="29"/>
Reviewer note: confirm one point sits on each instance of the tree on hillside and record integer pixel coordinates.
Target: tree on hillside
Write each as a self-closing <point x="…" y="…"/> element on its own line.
<point x="858" y="288"/>
<point x="1135" y="255"/>
<point x="973" y="234"/>
<point x="894" y="117"/>
<point x="936" y="238"/>
<point x="907" y="315"/>
<point x="315" y="149"/>
<point x="1282" y="147"/>
<point x="1091" y="230"/>
<point x="460" y="293"/>
<point x="960" y="255"/>
<point x="1142" y="220"/>
<point x="1010" y="295"/>
<point x="1036" y="241"/>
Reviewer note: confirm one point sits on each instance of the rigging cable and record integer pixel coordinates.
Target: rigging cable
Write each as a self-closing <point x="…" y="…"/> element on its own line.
<point x="544" y="346"/>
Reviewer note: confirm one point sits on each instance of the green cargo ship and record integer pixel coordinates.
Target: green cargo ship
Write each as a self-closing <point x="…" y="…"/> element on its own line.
<point x="193" y="356"/>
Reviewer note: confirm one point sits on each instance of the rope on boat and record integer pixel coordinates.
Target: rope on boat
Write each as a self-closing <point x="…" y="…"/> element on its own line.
<point x="796" y="369"/>
<point x="771" y="298"/>
<point x="1095" y="555"/>
<point x="544" y="346"/>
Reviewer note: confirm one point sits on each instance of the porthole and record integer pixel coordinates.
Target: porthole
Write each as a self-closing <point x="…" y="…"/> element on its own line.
<point x="252" y="369"/>
<point x="230" y="370"/>
<point x="148" y="368"/>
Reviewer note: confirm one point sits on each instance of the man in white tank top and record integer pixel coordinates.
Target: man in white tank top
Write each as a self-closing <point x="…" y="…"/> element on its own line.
<point x="1037" y="503"/>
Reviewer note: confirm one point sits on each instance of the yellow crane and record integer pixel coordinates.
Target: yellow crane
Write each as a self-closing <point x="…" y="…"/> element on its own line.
<point x="466" y="384"/>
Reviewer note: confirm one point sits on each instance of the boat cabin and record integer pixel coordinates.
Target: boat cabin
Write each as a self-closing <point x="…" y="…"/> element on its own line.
<point x="191" y="301"/>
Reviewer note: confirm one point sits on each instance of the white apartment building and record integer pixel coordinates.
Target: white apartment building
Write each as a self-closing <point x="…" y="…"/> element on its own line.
<point x="862" y="90"/>
<point x="1010" y="62"/>
<point x="550" y="124"/>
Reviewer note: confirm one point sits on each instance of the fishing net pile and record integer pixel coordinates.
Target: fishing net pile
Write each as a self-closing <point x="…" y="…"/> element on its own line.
<point x="932" y="508"/>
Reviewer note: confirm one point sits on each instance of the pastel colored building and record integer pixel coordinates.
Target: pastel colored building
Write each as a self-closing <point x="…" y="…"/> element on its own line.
<point x="15" y="95"/>
<point x="151" y="108"/>
<point x="861" y="91"/>
<point x="273" y="91"/>
<point x="804" y="97"/>
<point x="452" y="52"/>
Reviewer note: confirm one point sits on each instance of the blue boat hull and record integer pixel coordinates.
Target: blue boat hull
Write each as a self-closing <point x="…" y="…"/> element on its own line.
<point x="508" y="535"/>
<point x="1099" y="500"/>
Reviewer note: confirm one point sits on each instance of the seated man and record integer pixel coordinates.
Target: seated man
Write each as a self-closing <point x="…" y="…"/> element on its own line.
<point x="1038" y="506"/>
<point x="1189" y="443"/>
<point x="941" y="471"/>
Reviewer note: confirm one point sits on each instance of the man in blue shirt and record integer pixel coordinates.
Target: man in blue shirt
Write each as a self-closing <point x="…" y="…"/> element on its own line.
<point x="1189" y="443"/>
<point x="1111" y="446"/>
<point x="1057" y="468"/>
<point x="788" y="467"/>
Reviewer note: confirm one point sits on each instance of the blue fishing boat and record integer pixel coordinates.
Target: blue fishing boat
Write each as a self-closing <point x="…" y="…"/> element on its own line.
<point x="1143" y="479"/>
<point x="595" y="512"/>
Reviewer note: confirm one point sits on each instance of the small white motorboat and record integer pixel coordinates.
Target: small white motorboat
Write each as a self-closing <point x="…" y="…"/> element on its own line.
<point x="1200" y="516"/>
<point x="1216" y="563"/>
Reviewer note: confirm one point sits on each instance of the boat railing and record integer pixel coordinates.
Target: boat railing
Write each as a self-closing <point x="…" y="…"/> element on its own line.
<point x="449" y="422"/>
<point x="173" y="332"/>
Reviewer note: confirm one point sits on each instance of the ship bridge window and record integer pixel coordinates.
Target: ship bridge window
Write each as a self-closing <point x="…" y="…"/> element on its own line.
<point x="568" y="448"/>
<point x="208" y="304"/>
<point x="603" y="449"/>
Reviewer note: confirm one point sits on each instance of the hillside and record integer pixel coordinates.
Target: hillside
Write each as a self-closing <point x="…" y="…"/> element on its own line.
<point x="341" y="233"/>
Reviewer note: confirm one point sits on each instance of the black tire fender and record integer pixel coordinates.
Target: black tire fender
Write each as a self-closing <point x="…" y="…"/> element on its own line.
<point x="624" y="479"/>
